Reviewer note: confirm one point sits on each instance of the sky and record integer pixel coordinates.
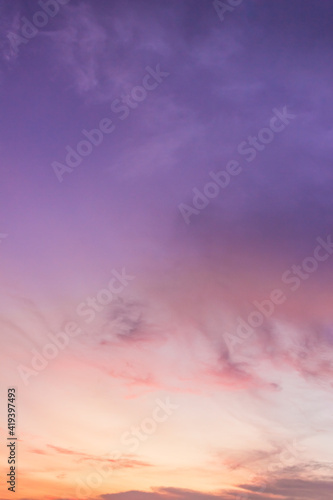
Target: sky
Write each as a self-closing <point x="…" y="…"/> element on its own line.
<point x="166" y="249"/>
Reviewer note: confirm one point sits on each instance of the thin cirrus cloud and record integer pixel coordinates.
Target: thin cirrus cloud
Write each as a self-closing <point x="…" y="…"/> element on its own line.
<point x="165" y="334"/>
<point x="281" y="488"/>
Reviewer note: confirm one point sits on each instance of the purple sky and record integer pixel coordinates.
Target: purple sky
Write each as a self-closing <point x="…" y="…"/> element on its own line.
<point x="222" y="82"/>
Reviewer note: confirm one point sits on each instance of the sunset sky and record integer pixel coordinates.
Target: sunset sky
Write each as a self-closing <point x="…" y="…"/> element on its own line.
<point x="166" y="248"/>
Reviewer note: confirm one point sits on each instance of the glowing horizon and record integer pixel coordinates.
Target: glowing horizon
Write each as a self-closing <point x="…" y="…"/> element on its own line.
<point x="167" y="249"/>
